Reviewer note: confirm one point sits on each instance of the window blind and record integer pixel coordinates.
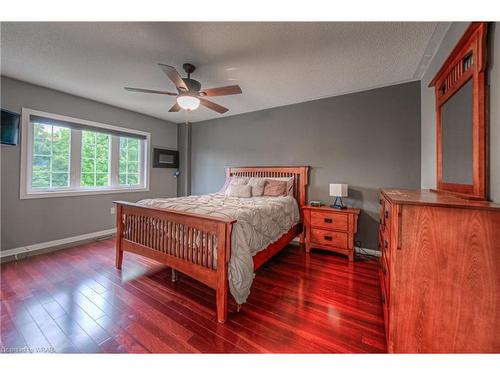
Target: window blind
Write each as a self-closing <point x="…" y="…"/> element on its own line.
<point x="79" y="126"/>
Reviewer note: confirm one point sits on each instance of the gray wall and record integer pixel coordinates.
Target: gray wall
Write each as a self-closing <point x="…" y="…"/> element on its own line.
<point x="31" y="221"/>
<point x="369" y="140"/>
<point x="454" y="34"/>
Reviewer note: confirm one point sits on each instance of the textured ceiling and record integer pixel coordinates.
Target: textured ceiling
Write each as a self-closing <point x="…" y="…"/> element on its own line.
<point x="275" y="63"/>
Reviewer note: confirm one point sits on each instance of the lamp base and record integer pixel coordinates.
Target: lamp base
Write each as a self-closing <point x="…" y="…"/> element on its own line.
<point x="337" y="205"/>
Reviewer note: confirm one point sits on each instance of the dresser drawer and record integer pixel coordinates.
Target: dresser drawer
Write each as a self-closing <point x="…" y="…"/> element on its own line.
<point x="329" y="238"/>
<point x="387" y="217"/>
<point x="384" y="243"/>
<point x="329" y="220"/>
<point x="384" y="270"/>
<point x="385" y="306"/>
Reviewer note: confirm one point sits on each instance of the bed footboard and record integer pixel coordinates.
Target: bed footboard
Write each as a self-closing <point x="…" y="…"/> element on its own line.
<point x="196" y="245"/>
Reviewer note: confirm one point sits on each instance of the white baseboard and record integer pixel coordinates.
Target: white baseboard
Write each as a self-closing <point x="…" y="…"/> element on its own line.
<point x="375" y="253"/>
<point x="56" y="244"/>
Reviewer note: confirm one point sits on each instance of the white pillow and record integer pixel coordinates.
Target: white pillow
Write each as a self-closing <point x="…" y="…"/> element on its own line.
<point x="239" y="191"/>
<point x="238" y="180"/>
<point x="233" y="180"/>
<point x="257" y="184"/>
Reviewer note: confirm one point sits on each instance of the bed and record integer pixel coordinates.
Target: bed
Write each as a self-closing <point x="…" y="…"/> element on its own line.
<point x="195" y="235"/>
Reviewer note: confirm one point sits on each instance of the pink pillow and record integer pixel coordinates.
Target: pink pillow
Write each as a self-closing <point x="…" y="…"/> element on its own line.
<point x="274" y="188"/>
<point x="289" y="183"/>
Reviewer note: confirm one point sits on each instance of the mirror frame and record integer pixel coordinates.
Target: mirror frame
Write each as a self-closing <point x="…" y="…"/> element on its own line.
<point x="466" y="62"/>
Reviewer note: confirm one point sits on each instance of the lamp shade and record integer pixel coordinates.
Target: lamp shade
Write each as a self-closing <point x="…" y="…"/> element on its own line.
<point x="188" y="102"/>
<point x="338" y="190"/>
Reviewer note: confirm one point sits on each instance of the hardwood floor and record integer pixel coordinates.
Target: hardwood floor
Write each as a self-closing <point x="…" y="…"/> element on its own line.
<point x="74" y="300"/>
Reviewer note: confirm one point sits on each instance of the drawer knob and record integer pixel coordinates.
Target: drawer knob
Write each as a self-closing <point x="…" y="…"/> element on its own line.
<point x="380" y="201"/>
<point x="386" y="244"/>
<point x="328" y="238"/>
<point x="328" y="220"/>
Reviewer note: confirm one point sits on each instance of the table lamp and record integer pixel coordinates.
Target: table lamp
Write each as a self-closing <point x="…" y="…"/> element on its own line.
<point x="338" y="191"/>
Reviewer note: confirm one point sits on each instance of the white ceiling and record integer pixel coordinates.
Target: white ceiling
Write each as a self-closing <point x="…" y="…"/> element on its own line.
<point x="274" y="63"/>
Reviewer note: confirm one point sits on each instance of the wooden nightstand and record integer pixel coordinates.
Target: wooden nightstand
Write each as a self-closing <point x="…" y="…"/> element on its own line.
<point x="331" y="229"/>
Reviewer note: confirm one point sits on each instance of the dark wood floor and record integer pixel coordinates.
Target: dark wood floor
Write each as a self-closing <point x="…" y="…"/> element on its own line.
<point x="76" y="301"/>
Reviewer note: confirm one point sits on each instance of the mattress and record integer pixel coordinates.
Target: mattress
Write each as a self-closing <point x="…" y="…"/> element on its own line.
<point x="260" y="222"/>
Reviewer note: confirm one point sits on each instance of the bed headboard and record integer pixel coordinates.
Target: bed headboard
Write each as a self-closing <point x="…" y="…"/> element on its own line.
<point x="300" y="177"/>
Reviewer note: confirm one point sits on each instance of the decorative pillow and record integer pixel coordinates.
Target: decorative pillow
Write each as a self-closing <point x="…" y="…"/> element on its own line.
<point x="233" y="180"/>
<point x="239" y="191"/>
<point x="257" y="184"/>
<point x="275" y="188"/>
<point x="237" y="180"/>
<point x="289" y="183"/>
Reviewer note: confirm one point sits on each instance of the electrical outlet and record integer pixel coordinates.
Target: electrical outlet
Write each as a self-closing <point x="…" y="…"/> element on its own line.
<point x="113" y="210"/>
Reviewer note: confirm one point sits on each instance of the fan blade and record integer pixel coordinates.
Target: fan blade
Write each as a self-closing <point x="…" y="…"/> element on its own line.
<point x="213" y="106"/>
<point x="174" y="76"/>
<point x="221" y="91"/>
<point x="134" y="89"/>
<point x="175" y="108"/>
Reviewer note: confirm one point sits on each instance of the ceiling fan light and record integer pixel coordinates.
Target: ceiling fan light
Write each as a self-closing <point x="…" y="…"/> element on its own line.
<point x="187" y="102"/>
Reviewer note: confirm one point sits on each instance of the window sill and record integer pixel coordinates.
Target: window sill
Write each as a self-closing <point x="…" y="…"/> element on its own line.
<point x="72" y="193"/>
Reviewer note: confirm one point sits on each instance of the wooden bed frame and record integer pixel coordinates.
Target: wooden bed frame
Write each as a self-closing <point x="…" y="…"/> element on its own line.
<point x="168" y="236"/>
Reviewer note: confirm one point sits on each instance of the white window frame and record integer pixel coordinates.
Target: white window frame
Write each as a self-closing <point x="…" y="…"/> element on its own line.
<point x="27" y="192"/>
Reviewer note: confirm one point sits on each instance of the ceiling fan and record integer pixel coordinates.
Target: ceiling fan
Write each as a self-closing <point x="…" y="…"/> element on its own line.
<point x="189" y="96"/>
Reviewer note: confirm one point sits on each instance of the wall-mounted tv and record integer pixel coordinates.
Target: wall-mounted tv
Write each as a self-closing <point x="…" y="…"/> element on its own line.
<point x="9" y="128"/>
<point x="165" y="158"/>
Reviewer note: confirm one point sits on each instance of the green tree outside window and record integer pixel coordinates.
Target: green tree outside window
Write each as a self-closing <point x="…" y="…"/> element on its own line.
<point x="51" y="156"/>
<point x="95" y="159"/>
<point x="128" y="173"/>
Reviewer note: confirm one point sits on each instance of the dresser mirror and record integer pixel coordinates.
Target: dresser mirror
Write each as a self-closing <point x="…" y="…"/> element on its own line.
<point x="460" y="117"/>
<point x="456" y="137"/>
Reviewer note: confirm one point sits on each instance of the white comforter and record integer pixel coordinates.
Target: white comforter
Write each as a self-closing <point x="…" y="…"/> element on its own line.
<point x="260" y="222"/>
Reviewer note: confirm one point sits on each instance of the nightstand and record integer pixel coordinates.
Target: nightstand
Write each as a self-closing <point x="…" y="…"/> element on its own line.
<point x="331" y="229"/>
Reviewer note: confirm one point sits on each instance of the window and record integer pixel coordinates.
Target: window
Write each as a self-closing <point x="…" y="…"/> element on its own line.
<point x="51" y="157"/>
<point x="96" y="159"/>
<point x="129" y="161"/>
<point x="66" y="156"/>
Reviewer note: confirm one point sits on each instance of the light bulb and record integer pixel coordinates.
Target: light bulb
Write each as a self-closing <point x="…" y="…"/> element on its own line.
<point x="188" y="102"/>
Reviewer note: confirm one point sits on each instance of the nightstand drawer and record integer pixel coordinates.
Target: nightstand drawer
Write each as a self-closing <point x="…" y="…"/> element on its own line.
<point x="326" y="237"/>
<point x="329" y="220"/>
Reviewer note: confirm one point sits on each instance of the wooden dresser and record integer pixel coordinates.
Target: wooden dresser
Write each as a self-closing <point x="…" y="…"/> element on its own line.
<point x="331" y="229"/>
<point x="440" y="272"/>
